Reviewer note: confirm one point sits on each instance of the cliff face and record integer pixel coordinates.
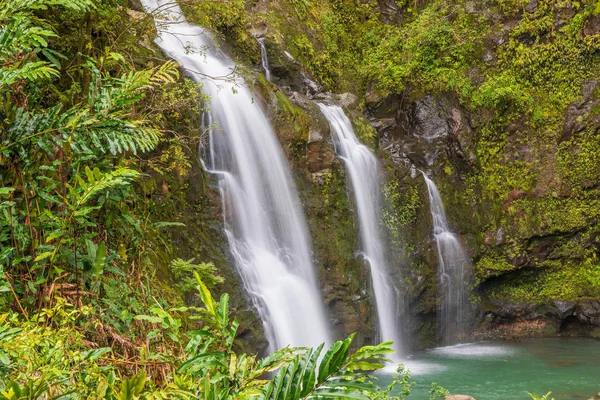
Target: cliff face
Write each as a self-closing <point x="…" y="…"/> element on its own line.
<point x="496" y="99"/>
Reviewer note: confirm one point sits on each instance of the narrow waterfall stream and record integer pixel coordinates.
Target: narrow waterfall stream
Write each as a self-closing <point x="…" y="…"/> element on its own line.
<point x="363" y="169"/>
<point x="264" y="59"/>
<point x="265" y="227"/>
<point x="453" y="270"/>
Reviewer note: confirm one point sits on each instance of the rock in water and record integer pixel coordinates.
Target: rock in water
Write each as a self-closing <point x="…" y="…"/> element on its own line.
<point x="596" y="397"/>
<point x="458" y="397"/>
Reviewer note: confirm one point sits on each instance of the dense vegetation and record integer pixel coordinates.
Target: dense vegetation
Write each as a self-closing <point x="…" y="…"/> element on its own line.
<point x="76" y="261"/>
<point x="96" y="130"/>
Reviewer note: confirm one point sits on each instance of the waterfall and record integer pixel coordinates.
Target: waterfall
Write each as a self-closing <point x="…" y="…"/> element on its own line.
<point x="264" y="59"/>
<point x="453" y="270"/>
<point x="364" y="172"/>
<point x="264" y="224"/>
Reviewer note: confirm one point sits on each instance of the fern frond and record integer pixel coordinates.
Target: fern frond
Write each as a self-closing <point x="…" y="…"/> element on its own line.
<point x="10" y="7"/>
<point x="21" y="36"/>
<point x="31" y="72"/>
<point x="99" y="182"/>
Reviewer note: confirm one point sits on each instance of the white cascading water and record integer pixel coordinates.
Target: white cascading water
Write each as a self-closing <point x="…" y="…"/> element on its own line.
<point x="453" y="270"/>
<point x="264" y="224"/>
<point x="364" y="172"/>
<point x="264" y="59"/>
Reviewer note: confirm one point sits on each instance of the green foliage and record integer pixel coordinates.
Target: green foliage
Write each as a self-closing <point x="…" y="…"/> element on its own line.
<point x="437" y="392"/>
<point x="365" y="132"/>
<point x="435" y="51"/>
<point x="491" y="265"/>
<point x="48" y="355"/>
<point x="536" y="396"/>
<point x="567" y="280"/>
<point x="226" y="18"/>
<point x="183" y="273"/>
<point x="504" y="94"/>
<point x="64" y="170"/>
<point x="405" y="204"/>
<point x="24" y="36"/>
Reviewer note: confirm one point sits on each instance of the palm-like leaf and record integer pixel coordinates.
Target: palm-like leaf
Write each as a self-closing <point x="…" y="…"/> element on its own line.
<point x="301" y="373"/>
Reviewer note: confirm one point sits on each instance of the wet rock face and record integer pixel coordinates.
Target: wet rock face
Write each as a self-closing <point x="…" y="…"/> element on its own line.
<point x="589" y="312"/>
<point x="430" y="118"/>
<point x="423" y="130"/>
<point x="577" y="113"/>
<point x="389" y="11"/>
<point x="564" y="309"/>
<point x="319" y="156"/>
<point x="513" y="320"/>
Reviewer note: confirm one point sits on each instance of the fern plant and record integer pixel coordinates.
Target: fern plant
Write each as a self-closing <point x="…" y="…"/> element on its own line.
<point x="66" y="173"/>
<point x="48" y="356"/>
<point x="23" y="39"/>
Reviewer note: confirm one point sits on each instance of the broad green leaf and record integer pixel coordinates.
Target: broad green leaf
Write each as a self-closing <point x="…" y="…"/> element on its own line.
<point x="43" y="256"/>
<point x="99" y="260"/>
<point x="205" y="296"/>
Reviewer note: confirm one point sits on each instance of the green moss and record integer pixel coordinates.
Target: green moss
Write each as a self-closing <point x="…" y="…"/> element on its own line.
<point x="434" y="51"/>
<point x="551" y="215"/>
<point x="403" y="207"/>
<point x="365" y="132"/>
<point x="554" y="279"/>
<point x="491" y="265"/>
<point x="579" y="160"/>
<point x="229" y="19"/>
<point x="292" y="122"/>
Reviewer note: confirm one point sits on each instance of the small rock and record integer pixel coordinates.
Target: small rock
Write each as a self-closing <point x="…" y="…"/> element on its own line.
<point x="136" y="15"/>
<point x="347" y="99"/>
<point x="564" y="308"/>
<point x="596" y="397"/>
<point x="589" y="312"/>
<point x="592" y="26"/>
<point x="373" y="98"/>
<point x="589" y="87"/>
<point x="458" y="397"/>
<point x="499" y="236"/>
<point x="389" y="10"/>
<point x="532" y="6"/>
<point x="314" y="135"/>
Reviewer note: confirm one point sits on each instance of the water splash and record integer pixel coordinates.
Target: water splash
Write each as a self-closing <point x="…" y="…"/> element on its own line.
<point x="266" y="231"/>
<point x="364" y="172"/>
<point x="454" y="271"/>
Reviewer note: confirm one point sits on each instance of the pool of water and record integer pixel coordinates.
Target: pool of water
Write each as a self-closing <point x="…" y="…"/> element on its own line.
<point x="569" y="368"/>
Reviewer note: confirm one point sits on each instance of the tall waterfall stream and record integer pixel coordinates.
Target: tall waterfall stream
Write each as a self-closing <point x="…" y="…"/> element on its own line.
<point x="264" y="224"/>
<point x="453" y="270"/>
<point x="363" y="170"/>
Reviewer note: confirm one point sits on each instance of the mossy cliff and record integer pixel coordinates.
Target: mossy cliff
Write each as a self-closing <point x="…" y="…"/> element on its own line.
<point x="497" y="100"/>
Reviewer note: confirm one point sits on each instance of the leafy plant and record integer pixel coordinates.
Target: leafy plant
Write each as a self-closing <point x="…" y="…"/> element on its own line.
<point x="64" y="171"/>
<point x="538" y="397"/>
<point x="437" y="392"/>
<point x="49" y="355"/>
